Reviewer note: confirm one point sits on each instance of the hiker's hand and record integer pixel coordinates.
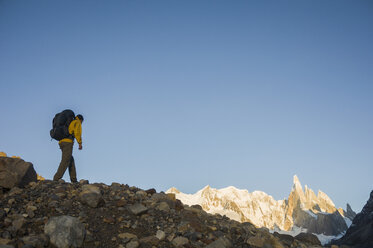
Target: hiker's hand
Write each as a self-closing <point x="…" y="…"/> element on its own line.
<point x="80" y="147"/>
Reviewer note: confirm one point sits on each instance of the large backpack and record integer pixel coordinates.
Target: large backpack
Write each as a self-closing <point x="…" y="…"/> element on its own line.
<point x="61" y="122"/>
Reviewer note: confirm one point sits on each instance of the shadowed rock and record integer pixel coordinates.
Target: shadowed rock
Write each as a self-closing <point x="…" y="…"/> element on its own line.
<point x="15" y="172"/>
<point x="222" y="242"/>
<point x="360" y="233"/>
<point x="137" y="209"/>
<point x="308" y="238"/>
<point x="91" y="196"/>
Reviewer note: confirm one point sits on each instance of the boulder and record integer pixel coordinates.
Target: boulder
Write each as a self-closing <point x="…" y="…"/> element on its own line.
<point x="65" y="231"/>
<point x="285" y="238"/>
<point x="128" y="236"/>
<point x="161" y="235"/>
<point x="115" y="186"/>
<point x="137" y="209"/>
<point x="36" y="240"/>
<point x="163" y="206"/>
<point x="255" y="241"/>
<point x="161" y="197"/>
<point x="180" y="241"/>
<point x="83" y="182"/>
<point x="18" y="222"/>
<point x="16" y="172"/>
<point x="91" y="196"/>
<point x="222" y="242"/>
<point x="3" y="154"/>
<point x="132" y="244"/>
<point x="150" y="241"/>
<point x="151" y="191"/>
<point x="308" y="238"/>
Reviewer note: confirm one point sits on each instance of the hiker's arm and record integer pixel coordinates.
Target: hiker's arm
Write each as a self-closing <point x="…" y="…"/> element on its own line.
<point x="78" y="133"/>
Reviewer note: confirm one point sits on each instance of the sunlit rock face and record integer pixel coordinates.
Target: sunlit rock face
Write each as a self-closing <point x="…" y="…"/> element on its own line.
<point x="303" y="208"/>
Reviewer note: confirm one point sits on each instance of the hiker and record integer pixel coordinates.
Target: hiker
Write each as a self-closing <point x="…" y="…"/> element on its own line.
<point x="66" y="146"/>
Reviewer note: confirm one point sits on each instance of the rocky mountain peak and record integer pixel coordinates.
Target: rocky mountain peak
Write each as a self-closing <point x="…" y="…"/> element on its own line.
<point x="360" y="233"/>
<point x="349" y="213"/>
<point x="307" y="199"/>
<point x="173" y="190"/>
<point x="296" y="184"/>
<point x="348" y="208"/>
<point x="207" y="190"/>
<point x="368" y="207"/>
<point x="297" y="196"/>
<point x="325" y="203"/>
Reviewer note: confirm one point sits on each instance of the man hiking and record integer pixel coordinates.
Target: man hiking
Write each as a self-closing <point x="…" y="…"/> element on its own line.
<point x="66" y="146"/>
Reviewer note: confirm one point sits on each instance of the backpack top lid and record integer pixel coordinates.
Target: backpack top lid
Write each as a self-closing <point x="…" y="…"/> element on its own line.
<point x="63" y="118"/>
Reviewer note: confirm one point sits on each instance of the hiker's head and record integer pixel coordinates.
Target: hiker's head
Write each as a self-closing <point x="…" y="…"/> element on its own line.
<point x="81" y="118"/>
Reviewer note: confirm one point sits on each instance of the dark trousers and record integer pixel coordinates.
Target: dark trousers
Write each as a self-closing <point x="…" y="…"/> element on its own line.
<point x="67" y="161"/>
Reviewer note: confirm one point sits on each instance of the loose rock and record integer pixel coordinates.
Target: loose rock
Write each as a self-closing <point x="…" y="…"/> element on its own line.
<point x="133" y="244"/>
<point x="163" y="206"/>
<point x="180" y="241"/>
<point x="65" y="231"/>
<point x="91" y="196"/>
<point x="222" y="242"/>
<point x="160" y="235"/>
<point x="308" y="238"/>
<point x="137" y="209"/>
<point x="127" y="236"/>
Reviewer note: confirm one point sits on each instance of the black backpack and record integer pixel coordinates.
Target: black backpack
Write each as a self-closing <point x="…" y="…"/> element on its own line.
<point x="61" y="122"/>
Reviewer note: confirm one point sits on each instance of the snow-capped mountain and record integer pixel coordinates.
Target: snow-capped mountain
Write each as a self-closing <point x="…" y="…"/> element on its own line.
<point x="303" y="209"/>
<point x="256" y="207"/>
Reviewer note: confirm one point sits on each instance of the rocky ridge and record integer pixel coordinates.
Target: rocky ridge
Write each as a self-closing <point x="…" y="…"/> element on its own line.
<point x="59" y="214"/>
<point x="42" y="213"/>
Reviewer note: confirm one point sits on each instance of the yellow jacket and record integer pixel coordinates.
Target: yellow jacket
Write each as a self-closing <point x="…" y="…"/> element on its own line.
<point x="75" y="128"/>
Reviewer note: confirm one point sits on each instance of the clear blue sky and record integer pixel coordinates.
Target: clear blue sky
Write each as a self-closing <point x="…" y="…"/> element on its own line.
<point x="190" y="93"/>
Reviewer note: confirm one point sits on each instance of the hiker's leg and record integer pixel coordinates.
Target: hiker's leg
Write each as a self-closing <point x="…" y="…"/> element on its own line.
<point x="72" y="170"/>
<point x="67" y="151"/>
